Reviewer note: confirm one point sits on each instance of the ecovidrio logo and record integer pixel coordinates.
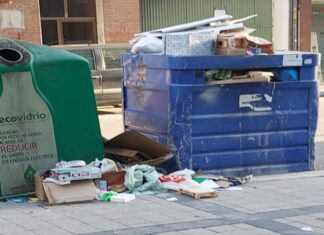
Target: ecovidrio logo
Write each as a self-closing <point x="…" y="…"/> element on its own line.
<point x="25" y="117"/>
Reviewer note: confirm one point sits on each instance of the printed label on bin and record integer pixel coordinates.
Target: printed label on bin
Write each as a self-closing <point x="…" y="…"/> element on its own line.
<point x="292" y="60"/>
<point x="27" y="141"/>
<point x="256" y="102"/>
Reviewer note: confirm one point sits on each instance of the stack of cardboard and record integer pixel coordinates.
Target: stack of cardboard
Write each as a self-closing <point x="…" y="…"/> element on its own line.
<point x="126" y="149"/>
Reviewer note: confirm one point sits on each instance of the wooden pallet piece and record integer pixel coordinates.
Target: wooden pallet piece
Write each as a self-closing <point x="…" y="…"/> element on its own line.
<point x="198" y="193"/>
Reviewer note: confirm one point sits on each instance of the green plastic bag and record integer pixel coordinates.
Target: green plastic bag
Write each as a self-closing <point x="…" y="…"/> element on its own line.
<point x="143" y="179"/>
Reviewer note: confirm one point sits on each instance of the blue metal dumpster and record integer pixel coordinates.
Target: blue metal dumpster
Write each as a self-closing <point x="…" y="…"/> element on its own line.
<point x="264" y="128"/>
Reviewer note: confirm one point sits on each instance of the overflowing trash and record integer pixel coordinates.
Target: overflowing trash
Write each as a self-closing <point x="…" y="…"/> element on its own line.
<point x="119" y="180"/>
<point x="121" y="185"/>
<point x="220" y="35"/>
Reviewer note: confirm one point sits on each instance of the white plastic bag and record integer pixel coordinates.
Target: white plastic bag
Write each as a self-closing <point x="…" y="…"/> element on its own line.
<point x="148" y="44"/>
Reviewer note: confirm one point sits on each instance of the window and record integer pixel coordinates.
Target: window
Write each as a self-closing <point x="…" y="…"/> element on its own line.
<point x="50" y="8"/>
<point x="77" y="32"/>
<point x="68" y="21"/>
<point x="81" y="8"/>
<point x="112" y="57"/>
<point x="49" y="31"/>
<point x="87" y="54"/>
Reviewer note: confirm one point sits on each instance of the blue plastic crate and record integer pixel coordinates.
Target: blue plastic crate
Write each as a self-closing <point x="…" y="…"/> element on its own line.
<point x="265" y="128"/>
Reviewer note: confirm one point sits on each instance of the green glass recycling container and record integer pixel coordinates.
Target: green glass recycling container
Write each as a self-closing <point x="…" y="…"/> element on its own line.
<point x="47" y="113"/>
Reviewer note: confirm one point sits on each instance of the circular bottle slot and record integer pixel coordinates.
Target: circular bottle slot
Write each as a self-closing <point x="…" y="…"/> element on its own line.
<point x="10" y="55"/>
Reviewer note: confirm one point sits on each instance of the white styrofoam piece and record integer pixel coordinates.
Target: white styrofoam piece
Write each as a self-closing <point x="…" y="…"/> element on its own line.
<point x="194" y="24"/>
<point x="209" y="184"/>
<point x="210" y="29"/>
<point x="189" y="44"/>
<point x="123" y="197"/>
<point x="242" y="19"/>
<point x="172" y="199"/>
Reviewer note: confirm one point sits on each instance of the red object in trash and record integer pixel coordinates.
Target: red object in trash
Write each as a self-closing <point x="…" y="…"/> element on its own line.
<point x="168" y="178"/>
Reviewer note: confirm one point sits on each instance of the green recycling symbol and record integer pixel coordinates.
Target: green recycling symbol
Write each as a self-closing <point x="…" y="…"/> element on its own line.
<point x="29" y="173"/>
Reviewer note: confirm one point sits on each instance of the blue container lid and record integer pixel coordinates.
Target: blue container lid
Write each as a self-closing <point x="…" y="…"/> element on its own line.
<point x="280" y="59"/>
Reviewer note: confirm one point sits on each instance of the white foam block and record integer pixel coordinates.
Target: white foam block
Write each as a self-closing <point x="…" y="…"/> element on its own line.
<point x="122" y="197"/>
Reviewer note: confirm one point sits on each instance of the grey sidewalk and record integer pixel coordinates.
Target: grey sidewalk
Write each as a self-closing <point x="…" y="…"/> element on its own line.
<point x="279" y="204"/>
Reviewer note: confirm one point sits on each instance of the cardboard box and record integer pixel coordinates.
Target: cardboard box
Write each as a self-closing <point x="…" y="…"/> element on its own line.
<point x="114" y="178"/>
<point x="77" y="191"/>
<point x="132" y="147"/>
<point x="39" y="189"/>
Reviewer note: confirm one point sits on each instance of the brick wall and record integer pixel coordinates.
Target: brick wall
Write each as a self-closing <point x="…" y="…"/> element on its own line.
<point x="30" y="10"/>
<point x="121" y="20"/>
<point x="306" y="15"/>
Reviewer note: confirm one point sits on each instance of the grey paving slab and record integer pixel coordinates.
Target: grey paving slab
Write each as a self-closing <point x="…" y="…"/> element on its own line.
<point x="51" y="231"/>
<point x="278" y="227"/>
<point x="170" y="233"/>
<point x="199" y="231"/>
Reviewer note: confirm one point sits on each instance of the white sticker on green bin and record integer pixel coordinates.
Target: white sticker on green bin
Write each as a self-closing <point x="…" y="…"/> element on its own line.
<point x="27" y="141"/>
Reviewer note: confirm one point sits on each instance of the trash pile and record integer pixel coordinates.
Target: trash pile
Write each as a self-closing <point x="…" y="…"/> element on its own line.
<point x="220" y="35"/>
<point x="134" y="168"/>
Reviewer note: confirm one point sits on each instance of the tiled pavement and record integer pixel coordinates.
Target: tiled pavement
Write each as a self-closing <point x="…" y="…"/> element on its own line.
<point x="280" y="204"/>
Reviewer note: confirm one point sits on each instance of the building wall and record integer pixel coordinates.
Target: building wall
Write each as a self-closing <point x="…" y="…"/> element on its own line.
<point x="30" y="10"/>
<point x="305" y="25"/>
<point x="121" y="20"/>
<point x="281" y="24"/>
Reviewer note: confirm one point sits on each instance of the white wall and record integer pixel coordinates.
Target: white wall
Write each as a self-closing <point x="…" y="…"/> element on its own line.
<point x="280" y="22"/>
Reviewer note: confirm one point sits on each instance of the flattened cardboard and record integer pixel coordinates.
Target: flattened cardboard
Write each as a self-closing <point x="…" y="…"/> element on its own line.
<point x="132" y="144"/>
<point x="114" y="178"/>
<point x="77" y="191"/>
<point x="39" y="189"/>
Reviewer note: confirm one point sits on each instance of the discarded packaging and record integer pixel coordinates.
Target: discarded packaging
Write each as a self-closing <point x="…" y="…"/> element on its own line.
<point x="75" y="163"/>
<point x="132" y="147"/>
<point x="185" y="173"/>
<point x="142" y="179"/>
<point x="75" y="173"/>
<point x="189" y="44"/>
<point x="148" y="44"/>
<point x="106" y="196"/>
<point x="114" y="178"/>
<point x="307" y="229"/>
<point x="77" y="191"/>
<point x="105" y="165"/>
<point x="210" y="184"/>
<point x="216" y="35"/>
<point x="39" y="189"/>
<point x="101" y="185"/>
<point x="123" y="197"/>
<point x="172" y="199"/>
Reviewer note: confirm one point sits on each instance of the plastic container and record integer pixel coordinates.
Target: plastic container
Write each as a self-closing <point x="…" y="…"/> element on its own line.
<point x="47" y="113"/>
<point x="264" y="128"/>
